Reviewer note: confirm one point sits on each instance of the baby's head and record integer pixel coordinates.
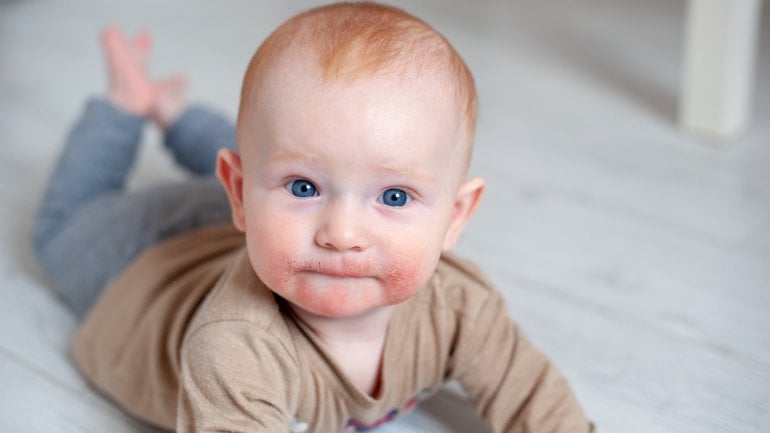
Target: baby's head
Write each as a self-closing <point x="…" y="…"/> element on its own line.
<point x="354" y="135"/>
<point x="346" y="43"/>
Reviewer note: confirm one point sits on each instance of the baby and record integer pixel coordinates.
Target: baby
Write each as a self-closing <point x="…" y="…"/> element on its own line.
<point x="316" y="292"/>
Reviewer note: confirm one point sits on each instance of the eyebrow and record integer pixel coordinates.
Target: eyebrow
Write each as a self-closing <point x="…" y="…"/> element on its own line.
<point x="412" y="174"/>
<point x="289" y="155"/>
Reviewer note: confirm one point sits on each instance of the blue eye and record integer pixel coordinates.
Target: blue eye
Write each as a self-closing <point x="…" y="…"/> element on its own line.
<point x="302" y="188"/>
<point x="395" y="197"/>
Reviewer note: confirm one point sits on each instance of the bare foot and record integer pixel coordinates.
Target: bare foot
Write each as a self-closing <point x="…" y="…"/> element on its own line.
<point x="130" y="86"/>
<point x="169" y="100"/>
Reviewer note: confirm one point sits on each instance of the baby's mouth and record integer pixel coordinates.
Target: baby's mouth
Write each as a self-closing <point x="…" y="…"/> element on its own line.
<point x="338" y="274"/>
<point x="343" y="269"/>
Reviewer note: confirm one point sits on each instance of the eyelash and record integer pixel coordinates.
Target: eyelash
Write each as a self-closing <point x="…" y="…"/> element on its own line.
<point x="303" y="188"/>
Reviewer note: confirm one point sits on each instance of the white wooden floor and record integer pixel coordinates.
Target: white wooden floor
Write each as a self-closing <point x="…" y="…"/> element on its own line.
<point x="636" y="256"/>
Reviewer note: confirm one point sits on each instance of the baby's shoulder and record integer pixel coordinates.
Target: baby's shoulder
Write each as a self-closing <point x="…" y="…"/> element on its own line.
<point x="222" y="360"/>
<point x="240" y="309"/>
<point x="230" y="339"/>
<point x="460" y="285"/>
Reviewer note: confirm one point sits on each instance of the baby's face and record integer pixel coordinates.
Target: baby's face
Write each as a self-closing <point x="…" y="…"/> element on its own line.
<point x="349" y="189"/>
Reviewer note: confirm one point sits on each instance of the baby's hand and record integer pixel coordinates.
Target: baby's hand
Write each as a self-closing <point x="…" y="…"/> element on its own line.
<point x="131" y="87"/>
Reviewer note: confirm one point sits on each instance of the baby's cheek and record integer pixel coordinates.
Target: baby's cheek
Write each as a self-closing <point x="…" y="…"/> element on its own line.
<point x="270" y="255"/>
<point x="405" y="276"/>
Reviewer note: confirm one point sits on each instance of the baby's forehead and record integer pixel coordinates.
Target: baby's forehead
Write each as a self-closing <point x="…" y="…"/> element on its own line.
<point x="293" y="92"/>
<point x="322" y="136"/>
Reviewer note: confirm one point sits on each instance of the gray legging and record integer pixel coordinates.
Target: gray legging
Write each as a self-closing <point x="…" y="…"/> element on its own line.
<point x="90" y="228"/>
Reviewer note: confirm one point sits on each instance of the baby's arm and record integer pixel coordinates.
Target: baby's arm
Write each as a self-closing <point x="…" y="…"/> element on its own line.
<point x="513" y="386"/>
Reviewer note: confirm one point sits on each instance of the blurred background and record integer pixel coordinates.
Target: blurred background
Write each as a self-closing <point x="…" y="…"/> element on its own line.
<point x="632" y="252"/>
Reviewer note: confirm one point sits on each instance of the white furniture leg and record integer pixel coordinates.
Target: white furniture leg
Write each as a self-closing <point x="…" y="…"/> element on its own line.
<point x="719" y="56"/>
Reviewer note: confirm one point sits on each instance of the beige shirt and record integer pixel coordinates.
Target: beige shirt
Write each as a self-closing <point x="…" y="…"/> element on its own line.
<point x="189" y="337"/>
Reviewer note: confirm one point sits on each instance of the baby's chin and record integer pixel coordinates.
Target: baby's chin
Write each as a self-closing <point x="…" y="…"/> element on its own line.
<point x="332" y="311"/>
<point x="342" y="300"/>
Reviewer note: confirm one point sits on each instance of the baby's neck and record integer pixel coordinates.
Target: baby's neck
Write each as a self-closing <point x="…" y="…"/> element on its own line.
<point x="356" y="343"/>
<point x="372" y="325"/>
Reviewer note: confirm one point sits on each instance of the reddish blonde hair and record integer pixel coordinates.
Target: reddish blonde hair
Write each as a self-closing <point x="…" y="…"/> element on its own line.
<point x="351" y="41"/>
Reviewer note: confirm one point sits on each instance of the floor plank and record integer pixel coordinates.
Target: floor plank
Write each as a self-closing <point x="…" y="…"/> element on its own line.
<point x="688" y="289"/>
<point x="43" y="405"/>
<point x="635" y="379"/>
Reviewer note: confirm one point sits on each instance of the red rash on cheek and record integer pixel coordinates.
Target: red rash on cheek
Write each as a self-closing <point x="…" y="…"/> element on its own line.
<point x="269" y="260"/>
<point x="280" y="266"/>
<point x="402" y="280"/>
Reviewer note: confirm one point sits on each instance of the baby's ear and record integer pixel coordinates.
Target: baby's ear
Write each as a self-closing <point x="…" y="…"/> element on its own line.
<point x="230" y="173"/>
<point x="466" y="202"/>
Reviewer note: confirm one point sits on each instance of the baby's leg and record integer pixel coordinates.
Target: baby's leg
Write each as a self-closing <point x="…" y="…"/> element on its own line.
<point x="105" y="236"/>
<point x="99" y="152"/>
<point x="89" y="229"/>
<point x="195" y="138"/>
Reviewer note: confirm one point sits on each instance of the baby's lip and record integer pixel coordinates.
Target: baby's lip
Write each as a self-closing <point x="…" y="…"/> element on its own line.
<point x="339" y="274"/>
<point x="341" y="269"/>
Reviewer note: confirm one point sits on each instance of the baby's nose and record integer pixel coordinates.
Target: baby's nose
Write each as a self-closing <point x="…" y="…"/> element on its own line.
<point x="342" y="228"/>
